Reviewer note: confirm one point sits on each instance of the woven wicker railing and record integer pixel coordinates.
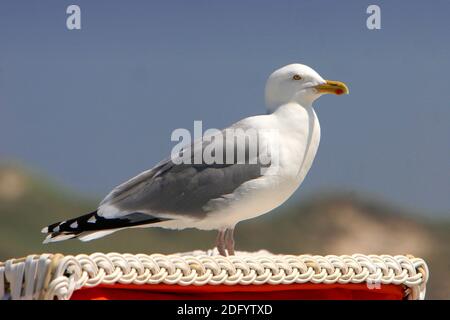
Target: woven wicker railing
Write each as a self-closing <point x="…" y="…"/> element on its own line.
<point x="54" y="276"/>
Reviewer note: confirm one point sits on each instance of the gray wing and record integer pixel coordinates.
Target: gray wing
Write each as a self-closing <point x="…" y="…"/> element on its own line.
<point x="184" y="189"/>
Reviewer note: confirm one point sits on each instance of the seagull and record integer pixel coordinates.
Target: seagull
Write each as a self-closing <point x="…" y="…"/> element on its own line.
<point x="217" y="195"/>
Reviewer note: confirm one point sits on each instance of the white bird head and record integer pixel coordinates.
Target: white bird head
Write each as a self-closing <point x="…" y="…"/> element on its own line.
<point x="300" y="84"/>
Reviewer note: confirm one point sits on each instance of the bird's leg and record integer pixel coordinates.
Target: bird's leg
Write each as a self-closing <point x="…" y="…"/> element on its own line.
<point x="229" y="241"/>
<point x="220" y="243"/>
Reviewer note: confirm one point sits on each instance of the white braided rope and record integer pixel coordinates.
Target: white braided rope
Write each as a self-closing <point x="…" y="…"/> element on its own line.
<point x="200" y="268"/>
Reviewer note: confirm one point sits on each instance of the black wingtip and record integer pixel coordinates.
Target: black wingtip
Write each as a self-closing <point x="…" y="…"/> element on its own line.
<point x="92" y="222"/>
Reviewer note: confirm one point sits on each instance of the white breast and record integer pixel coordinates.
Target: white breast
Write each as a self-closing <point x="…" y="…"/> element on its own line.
<point x="299" y="136"/>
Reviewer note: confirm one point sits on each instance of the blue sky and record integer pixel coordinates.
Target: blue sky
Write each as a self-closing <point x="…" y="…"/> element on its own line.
<point x="95" y="106"/>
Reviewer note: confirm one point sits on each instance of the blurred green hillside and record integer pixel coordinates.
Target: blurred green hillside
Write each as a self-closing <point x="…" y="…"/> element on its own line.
<point x="329" y="224"/>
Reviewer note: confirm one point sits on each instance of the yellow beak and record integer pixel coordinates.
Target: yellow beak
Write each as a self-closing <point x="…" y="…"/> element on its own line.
<point x="334" y="87"/>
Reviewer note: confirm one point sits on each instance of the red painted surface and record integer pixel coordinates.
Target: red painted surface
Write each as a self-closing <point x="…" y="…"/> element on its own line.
<point x="307" y="291"/>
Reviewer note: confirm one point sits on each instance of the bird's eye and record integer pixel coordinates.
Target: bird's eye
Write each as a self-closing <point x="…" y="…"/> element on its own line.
<point x="297" y="77"/>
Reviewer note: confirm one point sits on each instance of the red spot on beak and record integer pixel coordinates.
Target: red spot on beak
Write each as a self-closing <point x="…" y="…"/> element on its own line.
<point x="339" y="91"/>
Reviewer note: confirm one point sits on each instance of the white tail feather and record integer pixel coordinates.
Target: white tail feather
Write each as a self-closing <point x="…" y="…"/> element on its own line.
<point x="96" y="234"/>
<point x="59" y="237"/>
